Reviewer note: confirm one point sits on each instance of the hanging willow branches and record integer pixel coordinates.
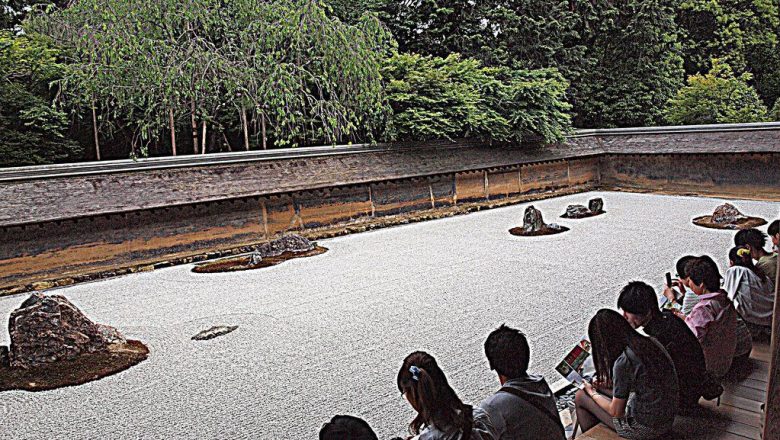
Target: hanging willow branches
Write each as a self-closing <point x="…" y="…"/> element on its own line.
<point x="283" y="71"/>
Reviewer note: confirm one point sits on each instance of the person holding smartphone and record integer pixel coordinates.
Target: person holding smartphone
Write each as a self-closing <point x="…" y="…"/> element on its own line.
<point x="634" y="366"/>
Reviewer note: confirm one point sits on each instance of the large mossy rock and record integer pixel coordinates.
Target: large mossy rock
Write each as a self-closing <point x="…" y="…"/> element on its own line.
<point x="48" y="329"/>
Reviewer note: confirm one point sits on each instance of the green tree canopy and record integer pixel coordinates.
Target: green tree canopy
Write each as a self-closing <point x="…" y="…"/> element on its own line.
<point x="716" y="97"/>
<point x="33" y="129"/>
<point x="451" y="97"/>
<point x="238" y="65"/>
<point x="742" y="33"/>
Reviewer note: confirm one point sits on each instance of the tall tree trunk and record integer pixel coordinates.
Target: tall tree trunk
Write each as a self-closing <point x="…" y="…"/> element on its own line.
<point x="245" y="126"/>
<point x="227" y="142"/>
<point x="173" y="130"/>
<point x="203" y="144"/>
<point x="194" y="127"/>
<point x="262" y="122"/>
<point x="95" y="131"/>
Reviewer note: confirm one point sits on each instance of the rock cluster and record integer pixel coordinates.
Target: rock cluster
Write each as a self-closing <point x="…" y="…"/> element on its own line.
<point x="47" y="329"/>
<point x="288" y="243"/>
<point x="595" y="207"/>
<point x="727" y="214"/>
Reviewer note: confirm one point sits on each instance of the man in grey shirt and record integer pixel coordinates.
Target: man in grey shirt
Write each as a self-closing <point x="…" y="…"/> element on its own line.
<point x="524" y="408"/>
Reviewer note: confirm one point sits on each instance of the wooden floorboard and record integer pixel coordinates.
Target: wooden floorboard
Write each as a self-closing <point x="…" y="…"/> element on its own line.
<point x="737" y="417"/>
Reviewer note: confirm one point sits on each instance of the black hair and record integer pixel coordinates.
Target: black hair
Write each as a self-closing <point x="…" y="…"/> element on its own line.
<point x="426" y="387"/>
<point x="703" y="270"/>
<point x="745" y="260"/>
<point x="680" y="266"/>
<point x="610" y="334"/>
<point x="752" y="237"/>
<point x="774" y="228"/>
<point x="508" y="352"/>
<point x="347" y="428"/>
<point x="638" y="298"/>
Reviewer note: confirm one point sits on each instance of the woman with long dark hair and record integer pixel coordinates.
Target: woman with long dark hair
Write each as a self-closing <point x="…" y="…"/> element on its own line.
<point x="640" y="376"/>
<point x="441" y="415"/>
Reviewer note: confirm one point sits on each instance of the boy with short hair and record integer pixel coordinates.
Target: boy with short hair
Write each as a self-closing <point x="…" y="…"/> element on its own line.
<point x="524" y="408"/>
<point x="640" y="308"/>
<point x="347" y="428"/>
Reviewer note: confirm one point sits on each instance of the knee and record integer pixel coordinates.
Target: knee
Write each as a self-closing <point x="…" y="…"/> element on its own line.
<point x="580" y="398"/>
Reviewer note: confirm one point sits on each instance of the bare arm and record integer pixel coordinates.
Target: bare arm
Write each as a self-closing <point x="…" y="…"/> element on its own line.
<point x="614" y="407"/>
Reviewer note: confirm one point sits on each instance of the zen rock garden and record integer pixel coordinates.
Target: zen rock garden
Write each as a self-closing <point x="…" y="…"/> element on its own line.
<point x="265" y="255"/>
<point x="727" y="216"/>
<point x="53" y="344"/>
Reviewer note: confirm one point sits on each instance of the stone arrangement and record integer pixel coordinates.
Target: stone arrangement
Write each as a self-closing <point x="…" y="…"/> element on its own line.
<point x="534" y="225"/>
<point x="264" y="255"/>
<point x="47" y="329"/>
<point x="727" y="216"/>
<point x="595" y="207"/>
<point x="49" y="333"/>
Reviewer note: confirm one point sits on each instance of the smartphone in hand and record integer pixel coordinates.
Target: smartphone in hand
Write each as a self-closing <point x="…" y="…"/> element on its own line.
<point x="668" y="279"/>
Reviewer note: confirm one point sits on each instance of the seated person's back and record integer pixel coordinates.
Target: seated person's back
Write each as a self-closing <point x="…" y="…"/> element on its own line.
<point x="637" y="300"/>
<point x="713" y="320"/>
<point x="525" y="407"/>
<point x="751" y="290"/>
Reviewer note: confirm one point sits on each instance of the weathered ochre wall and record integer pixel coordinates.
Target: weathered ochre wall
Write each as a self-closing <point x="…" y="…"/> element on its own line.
<point x="67" y="248"/>
<point x="749" y="176"/>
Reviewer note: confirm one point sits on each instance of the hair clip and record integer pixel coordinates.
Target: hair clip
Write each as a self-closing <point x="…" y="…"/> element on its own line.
<point x="743" y="252"/>
<point x="415" y="373"/>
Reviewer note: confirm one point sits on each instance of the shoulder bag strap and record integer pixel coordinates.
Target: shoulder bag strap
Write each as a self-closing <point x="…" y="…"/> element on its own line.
<point x="536" y="404"/>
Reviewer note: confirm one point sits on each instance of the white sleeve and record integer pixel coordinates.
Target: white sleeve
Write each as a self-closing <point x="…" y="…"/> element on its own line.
<point x="732" y="281"/>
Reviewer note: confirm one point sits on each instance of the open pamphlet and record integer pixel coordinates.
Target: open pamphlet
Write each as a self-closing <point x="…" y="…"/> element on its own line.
<point x="571" y="367"/>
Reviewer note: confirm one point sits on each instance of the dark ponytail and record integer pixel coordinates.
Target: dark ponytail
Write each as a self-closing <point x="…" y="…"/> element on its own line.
<point x="427" y="389"/>
<point x="740" y="256"/>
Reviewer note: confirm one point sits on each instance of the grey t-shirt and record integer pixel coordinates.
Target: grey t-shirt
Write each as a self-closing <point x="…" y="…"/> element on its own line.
<point x="652" y="403"/>
<point x="517" y="419"/>
<point x="482" y="430"/>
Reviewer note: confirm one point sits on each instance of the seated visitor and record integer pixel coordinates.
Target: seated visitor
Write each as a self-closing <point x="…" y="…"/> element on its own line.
<point x="347" y="428"/>
<point x="713" y="320"/>
<point x="524" y="407"/>
<point x="744" y="338"/>
<point x="633" y="366"/>
<point x="637" y="300"/>
<point x="679" y="293"/>
<point x="774" y="234"/>
<point x="755" y="241"/>
<point x="751" y="290"/>
<point x="441" y="415"/>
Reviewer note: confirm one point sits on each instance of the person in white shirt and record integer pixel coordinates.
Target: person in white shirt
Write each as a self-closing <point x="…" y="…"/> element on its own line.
<point x="750" y="288"/>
